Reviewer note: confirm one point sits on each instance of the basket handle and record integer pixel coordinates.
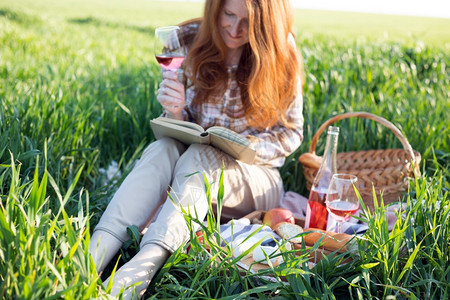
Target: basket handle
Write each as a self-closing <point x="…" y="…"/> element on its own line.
<point x="386" y="123"/>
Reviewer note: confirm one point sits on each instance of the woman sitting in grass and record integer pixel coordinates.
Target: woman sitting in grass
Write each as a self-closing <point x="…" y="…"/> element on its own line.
<point x="243" y="72"/>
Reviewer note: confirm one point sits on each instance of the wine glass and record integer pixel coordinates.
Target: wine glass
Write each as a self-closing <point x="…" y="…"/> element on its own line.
<point x="342" y="201"/>
<point x="169" y="47"/>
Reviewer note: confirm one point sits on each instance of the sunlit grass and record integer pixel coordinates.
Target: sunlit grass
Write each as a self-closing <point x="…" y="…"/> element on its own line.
<point x="77" y="91"/>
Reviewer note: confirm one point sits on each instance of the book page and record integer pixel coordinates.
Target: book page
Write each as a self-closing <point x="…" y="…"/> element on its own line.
<point x="186" y="135"/>
<point x="186" y="124"/>
<point x="229" y="135"/>
<point x="232" y="143"/>
<point x="236" y="150"/>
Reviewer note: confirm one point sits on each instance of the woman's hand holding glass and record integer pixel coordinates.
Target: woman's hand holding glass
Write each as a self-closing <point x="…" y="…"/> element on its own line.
<point x="171" y="94"/>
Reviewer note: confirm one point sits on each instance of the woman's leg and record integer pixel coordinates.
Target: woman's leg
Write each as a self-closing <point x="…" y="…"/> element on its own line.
<point x="137" y="199"/>
<point x="169" y="231"/>
<point x="246" y="188"/>
<point x="266" y="189"/>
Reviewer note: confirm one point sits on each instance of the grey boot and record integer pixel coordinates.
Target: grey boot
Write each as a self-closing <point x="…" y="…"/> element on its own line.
<point x="135" y="276"/>
<point x="103" y="246"/>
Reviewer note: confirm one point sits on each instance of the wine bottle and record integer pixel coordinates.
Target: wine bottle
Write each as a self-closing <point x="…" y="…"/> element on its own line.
<point x="316" y="212"/>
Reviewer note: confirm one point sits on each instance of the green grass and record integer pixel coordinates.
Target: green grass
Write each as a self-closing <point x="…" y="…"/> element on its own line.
<point x="77" y="89"/>
<point x="150" y="13"/>
<point x="373" y="27"/>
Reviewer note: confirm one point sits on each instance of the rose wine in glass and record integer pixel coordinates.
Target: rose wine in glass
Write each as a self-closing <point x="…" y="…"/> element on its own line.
<point x="169" y="47"/>
<point x="169" y="62"/>
<point x="342" y="210"/>
<point x="344" y="202"/>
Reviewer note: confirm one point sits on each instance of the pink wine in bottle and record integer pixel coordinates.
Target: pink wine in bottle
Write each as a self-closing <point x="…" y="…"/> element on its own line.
<point x="317" y="209"/>
<point x="316" y="212"/>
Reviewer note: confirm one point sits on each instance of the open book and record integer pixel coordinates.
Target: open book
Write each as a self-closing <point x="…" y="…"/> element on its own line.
<point x="190" y="133"/>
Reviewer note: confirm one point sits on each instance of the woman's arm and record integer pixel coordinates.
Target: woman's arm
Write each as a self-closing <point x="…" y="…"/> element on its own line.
<point x="273" y="145"/>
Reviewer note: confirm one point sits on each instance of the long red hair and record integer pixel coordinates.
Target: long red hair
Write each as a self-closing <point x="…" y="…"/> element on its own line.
<point x="270" y="66"/>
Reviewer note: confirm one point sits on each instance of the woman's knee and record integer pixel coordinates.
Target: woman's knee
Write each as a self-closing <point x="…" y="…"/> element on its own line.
<point x="164" y="144"/>
<point x="205" y="158"/>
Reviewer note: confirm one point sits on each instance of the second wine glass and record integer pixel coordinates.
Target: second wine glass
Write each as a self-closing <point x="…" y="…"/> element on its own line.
<point x="344" y="200"/>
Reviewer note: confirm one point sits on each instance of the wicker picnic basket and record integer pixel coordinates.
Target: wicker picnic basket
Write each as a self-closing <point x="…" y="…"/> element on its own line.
<point x="388" y="171"/>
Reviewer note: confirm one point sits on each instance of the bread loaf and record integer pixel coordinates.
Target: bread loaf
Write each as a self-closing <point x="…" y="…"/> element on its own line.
<point x="289" y="231"/>
<point x="332" y="241"/>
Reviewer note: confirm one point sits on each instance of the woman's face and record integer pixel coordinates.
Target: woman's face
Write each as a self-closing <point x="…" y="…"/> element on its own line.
<point x="233" y="24"/>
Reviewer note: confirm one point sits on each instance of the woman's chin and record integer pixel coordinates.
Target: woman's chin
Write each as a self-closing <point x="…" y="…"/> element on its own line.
<point x="234" y="46"/>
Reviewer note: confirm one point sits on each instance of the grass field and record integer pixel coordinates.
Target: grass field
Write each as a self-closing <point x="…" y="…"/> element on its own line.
<point x="77" y="89"/>
<point x="141" y="14"/>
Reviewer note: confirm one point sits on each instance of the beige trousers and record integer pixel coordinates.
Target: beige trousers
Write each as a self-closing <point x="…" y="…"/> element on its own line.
<point x="168" y="165"/>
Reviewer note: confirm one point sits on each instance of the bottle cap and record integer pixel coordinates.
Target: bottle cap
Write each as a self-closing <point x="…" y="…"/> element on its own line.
<point x="333" y="129"/>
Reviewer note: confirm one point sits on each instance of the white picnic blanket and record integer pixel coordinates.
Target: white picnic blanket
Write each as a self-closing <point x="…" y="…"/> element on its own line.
<point x="235" y="231"/>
